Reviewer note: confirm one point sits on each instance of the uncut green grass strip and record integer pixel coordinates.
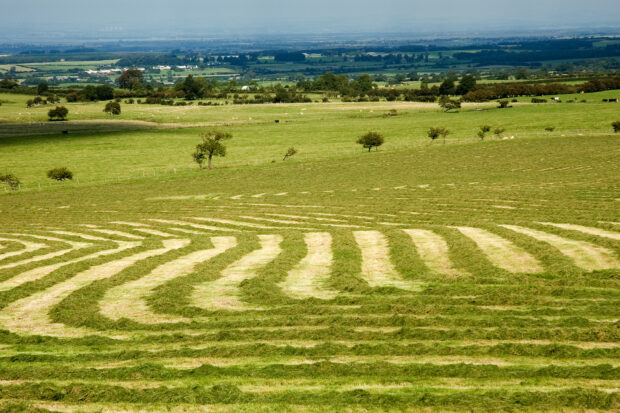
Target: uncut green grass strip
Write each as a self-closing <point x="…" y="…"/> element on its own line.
<point x="226" y="393"/>
<point x="328" y="349"/>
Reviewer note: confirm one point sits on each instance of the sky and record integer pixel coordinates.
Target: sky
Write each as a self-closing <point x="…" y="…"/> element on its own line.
<point x="225" y="17"/>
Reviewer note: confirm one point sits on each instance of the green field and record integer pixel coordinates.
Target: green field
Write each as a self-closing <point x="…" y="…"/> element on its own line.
<point x="466" y="276"/>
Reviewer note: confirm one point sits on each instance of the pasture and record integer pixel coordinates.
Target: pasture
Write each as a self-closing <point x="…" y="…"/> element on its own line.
<point x="475" y="275"/>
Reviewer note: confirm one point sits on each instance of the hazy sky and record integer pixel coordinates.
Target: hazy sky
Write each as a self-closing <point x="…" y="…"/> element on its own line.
<point x="311" y="16"/>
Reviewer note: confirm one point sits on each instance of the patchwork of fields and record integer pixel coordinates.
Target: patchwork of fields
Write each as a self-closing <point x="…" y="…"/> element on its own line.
<point x="479" y="276"/>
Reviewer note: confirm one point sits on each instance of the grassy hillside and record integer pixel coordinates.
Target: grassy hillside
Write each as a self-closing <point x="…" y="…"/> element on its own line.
<point x="147" y="140"/>
<point x="478" y="276"/>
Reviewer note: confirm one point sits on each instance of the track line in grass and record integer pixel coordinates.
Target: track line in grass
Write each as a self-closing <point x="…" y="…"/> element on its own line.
<point x="40" y="272"/>
<point x="30" y="315"/>
<point x="364" y="217"/>
<point x="146" y="229"/>
<point x="501" y="252"/>
<point x="193" y="225"/>
<point x="285" y="221"/>
<point x="305" y="217"/>
<point x="129" y="300"/>
<point x="586" y="230"/>
<point x="112" y="232"/>
<point x="585" y="254"/>
<point x="81" y="235"/>
<point x="247" y="224"/>
<point x="28" y="247"/>
<point x="310" y="276"/>
<point x="185" y="231"/>
<point x="223" y="293"/>
<point x="233" y="222"/>
<point x="377" y="269"/>
<point x="433" y="250"/>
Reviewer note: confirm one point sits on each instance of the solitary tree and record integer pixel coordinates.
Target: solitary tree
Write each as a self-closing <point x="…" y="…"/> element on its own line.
<point x="449" y="104"/>
<point x="371" y="140"/>
<point x="113" y="108"/>
<point x="437" y="131"/>
<point x="210" y="146"/>
<point x="503" y="104"/>
<point x="290" y="152"/>
<point x="11" y="180"/>
<point x="60" y="174"/>
<point x="59" y="113"/>
<point x="616" y="126"/>
<point x="484" y="129"/>
<point x="131" y="79"/>
<point x="498" y="131"/>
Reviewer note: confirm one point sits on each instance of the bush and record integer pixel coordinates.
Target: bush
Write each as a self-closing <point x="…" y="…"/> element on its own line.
<point x="113" y="108"/>
<point x="616" y="126"/>
<point x="484" y="129"/>
<point x="503" y="104"/>
<point x="550" y="128"/>
<point x="371" y="140"/>
<point x="11" y="180"/>
<point x="290" y="152"/>
<point x="437" y="131"/>
<point x="539" y="100"/>
<point x="59" y="113"/>
<point x="60" y="174"/>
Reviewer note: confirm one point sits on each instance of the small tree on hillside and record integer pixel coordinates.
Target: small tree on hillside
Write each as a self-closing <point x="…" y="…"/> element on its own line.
<point x="113" y="108"/>
<point x="60" y="174"/>
<point x="210" y="146"/>
<point x="59" y="113"/>
<point x="289" y="153"/>
<point x="437" y="131"/>
<point x="484" y="129"/>
<point x="616" y="126"/>
<point x="11" y="180"/>
<point x="371" y="140"/>
<point x="448" y="104"/>
<point x="498" y="131"/>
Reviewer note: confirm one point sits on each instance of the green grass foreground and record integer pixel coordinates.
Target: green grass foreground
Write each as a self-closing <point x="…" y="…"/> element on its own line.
<point x="476" y="338"/>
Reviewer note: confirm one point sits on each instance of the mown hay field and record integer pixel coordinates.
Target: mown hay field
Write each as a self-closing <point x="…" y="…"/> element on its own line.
<point x="468" y="276"/>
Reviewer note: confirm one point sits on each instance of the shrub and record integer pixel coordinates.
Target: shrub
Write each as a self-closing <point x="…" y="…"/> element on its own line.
<point x="113" y="108"/>
<point x="60" y="174"/>
<point x="437" y="131"/>
<point x="448" y="104"/>
<point x="59" y="113"/>
<point x="371" y="140"/>
<point x="503" y="104"/>
<point x="539" y="100"/>
<point x="498" y="131"/>
<point x="290" y="152"/>
<point x="550" y="128"/>
<point x="11" y="180"/>
<point x="484" y="129"/>
<point x="616" y="126"/>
